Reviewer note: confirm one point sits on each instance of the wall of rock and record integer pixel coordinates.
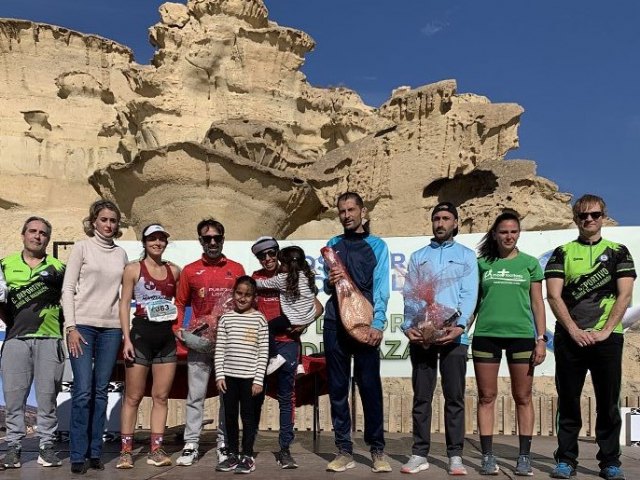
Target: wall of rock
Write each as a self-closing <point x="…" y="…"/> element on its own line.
<point x="224" y="119"/>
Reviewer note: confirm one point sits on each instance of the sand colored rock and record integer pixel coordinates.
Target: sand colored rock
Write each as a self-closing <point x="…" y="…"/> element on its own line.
<point x="225" y="84"/>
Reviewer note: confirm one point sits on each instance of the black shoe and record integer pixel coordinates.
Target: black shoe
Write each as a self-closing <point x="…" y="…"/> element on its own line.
<point x="79" y="467"/>
<point x="96" y="464"/>
<point x="285" y="460"/>
<point x="229" y="464"/>
<point x="246" y="465"/>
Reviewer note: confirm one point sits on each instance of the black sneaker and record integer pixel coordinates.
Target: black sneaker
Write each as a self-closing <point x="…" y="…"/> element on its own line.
<point x="48" y="457"/>
<point x="79" y="467"/>
<point x="229" y="464"/>
<point x="285" y="460"/>
<point x="12" y="458"/>
<point x="96" y="464"/>
<point x="247" y="465"/>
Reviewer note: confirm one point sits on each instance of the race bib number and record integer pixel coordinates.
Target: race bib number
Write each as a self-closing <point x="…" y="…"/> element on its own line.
<point x="161" y="311"/>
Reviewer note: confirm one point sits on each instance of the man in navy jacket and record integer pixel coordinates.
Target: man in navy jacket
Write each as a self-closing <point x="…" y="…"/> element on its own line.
<point x="366" y="259"/>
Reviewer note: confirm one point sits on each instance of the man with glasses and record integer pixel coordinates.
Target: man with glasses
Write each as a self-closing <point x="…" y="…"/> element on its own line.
<point x="589" y="285"/>
<point x="202" y="285"/>
<point x="32" y="350"/>
<point x="286" y="346"/>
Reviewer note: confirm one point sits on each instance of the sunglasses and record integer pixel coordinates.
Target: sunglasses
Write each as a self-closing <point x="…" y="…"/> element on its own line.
<point x="593" y="215"/>
<point x="207" y="238"/>
<point x="263" y="255"/>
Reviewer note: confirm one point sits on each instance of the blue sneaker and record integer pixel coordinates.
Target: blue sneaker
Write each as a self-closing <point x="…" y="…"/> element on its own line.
<point x="563" y="470"/>
<point x="489" y="465"/>
<point x="612" y="473"/>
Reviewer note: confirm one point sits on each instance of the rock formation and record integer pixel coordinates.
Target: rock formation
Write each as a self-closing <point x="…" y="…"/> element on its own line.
<point x="223" y="120"/>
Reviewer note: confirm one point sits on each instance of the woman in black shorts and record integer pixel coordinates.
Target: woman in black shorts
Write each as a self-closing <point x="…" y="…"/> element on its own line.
<point x="150" y="343"/>
<point x="511" y="317"/>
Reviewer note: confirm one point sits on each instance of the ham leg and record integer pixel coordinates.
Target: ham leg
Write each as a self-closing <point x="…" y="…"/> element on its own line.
<point x="355" y="310"/>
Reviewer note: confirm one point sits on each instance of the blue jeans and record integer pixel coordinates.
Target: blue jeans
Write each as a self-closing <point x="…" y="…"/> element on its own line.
<point x="286" y="390"/>
<point x="286" y="380"/>
<point x="91" y="374"/>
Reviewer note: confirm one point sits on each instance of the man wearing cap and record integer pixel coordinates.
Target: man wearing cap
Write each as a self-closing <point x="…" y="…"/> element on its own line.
<point x="203" y="284"/>
<point x="287" y="346"/>
<point x="451" y="270"/>
<point x="589" y="286"/>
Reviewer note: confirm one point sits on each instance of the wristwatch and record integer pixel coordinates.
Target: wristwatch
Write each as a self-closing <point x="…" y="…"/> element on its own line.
<point x="542" y="337"/>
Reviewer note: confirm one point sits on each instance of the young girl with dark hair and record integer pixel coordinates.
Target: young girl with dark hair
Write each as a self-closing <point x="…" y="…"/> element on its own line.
<point x="240" y="363"/>
<point x="300" y="307"/>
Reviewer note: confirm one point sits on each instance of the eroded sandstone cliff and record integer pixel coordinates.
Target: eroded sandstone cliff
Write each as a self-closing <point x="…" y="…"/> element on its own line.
<point x="224" y="120"/>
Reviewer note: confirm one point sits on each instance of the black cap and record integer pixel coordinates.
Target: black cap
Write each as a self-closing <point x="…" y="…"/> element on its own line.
<point x="445" y="207"/>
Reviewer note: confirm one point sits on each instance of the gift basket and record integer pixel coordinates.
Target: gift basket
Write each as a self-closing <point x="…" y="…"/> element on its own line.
<point x="434" y="318"/>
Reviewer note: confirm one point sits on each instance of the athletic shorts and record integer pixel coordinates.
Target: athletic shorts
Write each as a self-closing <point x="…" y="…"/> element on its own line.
<point x="153" y="342"/>
<point x="489" y="349"/>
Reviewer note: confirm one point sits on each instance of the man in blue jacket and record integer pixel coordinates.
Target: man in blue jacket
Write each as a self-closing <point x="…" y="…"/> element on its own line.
<point x="366" y="259"/>
<point x="449" y="270"/>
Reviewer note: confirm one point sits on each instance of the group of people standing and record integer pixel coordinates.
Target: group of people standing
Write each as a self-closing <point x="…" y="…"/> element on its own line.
<point x="589" y="284"/>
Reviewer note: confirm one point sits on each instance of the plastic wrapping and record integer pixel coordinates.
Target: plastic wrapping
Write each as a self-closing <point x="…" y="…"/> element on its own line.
<point x="436" y="318"/>
<point x="205" y="327"/>
<point x="355" y="310"/>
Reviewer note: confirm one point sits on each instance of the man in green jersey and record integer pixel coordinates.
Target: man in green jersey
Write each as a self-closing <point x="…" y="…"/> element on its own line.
<point x="32" y="351"/>
<point x="589" y="285"/>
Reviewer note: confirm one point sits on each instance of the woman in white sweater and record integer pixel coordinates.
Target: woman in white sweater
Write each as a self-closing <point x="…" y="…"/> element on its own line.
<point x="90" y="295"/>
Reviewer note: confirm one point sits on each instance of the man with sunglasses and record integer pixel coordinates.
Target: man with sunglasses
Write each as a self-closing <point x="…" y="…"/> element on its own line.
<point x="287" y="348"/>
<point x="589" y="285"/>
<point x="202" y="285"/>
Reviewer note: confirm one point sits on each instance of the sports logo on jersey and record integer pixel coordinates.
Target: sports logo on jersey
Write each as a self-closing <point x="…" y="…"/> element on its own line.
<point x="603" y="258"/>
<point x="149" y="285"/>
<point x="229" y="274"/>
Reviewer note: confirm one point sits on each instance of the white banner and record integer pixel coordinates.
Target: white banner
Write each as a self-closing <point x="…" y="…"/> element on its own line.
<point x="394" y="347"/>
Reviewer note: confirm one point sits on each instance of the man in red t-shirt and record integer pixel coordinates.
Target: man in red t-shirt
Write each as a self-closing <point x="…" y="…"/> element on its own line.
<point x="202" y="285"/>
<point x="286" y="345"/>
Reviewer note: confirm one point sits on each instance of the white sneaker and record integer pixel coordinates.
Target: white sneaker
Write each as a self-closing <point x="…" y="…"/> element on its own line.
<point x="456" y="466"/>
<point x="189" y="455"/>
<point x="300" y="371"/>
<point x="275" y="363"/>
<point x="415" y="464"/>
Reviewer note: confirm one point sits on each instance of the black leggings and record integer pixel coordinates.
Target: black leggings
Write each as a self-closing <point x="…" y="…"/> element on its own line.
<point x="239" y="394"/>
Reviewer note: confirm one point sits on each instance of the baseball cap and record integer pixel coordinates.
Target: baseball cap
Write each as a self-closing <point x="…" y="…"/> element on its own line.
<point x="154" y="228"/>
<point x="445" y="207"/>
<point x="264" y="243"/>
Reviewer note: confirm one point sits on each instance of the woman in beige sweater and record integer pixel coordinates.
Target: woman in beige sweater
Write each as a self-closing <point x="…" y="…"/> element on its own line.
<point x="90" y="295"/>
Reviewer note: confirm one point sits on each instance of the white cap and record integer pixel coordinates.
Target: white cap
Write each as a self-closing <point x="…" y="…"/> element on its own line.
<point x="264" y="243"/>
<point x="154" y="228"/>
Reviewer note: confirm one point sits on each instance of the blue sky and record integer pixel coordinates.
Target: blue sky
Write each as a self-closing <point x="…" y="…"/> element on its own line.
<point x="574" y="65"/>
